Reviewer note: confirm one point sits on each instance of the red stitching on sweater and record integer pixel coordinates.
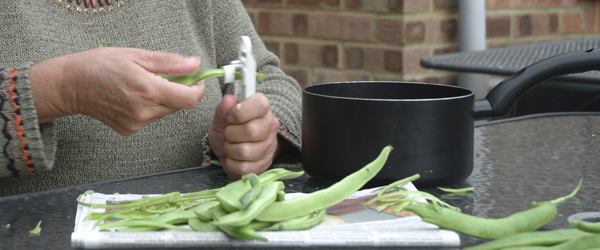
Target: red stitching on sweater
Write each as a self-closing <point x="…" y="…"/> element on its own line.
<point x="18" y="122"/>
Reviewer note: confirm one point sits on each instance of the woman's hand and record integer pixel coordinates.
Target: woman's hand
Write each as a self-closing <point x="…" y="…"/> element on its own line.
<point x="117" y="86"/>
<point x="244" y="136"/>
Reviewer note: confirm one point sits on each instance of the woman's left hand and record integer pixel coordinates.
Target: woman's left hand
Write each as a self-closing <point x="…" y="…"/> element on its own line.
<point x="244" y="136"/>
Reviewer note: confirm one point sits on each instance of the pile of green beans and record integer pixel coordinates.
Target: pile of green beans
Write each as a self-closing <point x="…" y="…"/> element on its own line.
<point x="239" y="209"/>
<point x="524" y="221"/>
<point x="401" y="197"/>
<point x="510" y="233"/>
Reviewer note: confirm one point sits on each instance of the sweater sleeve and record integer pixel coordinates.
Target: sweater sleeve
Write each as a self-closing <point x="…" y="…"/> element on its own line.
<point x="26" y="146"/>
<point x="284" y="93"/>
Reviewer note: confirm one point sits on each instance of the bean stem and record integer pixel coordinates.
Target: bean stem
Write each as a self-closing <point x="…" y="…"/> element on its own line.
<point x="457" y="191"/>
<point x="192" y="78"/>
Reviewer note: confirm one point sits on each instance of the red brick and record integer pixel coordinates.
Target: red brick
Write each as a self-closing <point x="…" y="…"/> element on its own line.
<point x="290" y="53"/>
<point x="558" y="3"/>
<point x="375" y="60"/>
<point x="440" y="30"/>
<point x="389" y="31"/>
<point x="282" y="23"/>
<point x="342" y="27"/>
<point x="300" y="24"/>
<point x="416" y="6"/>
<point x="567" y="3"/>
<point x="538" y="24"/>
<point x="408" y="6"/>
<point x="571" y="23"/>
<point x="301" y="75"/>
<point x="414" y="32"/>
<point x="365" y="58"/>
<point x="326" y="76"/>
<point x="353" y="58"/>
<point x="313" y="4"/>
<point x="393" y="61"/>
<point x="377" y="6"/>
<point x="275" y="23"/>
<point x="272" y="46"/>
<point x="522" y="3"/>
<point x="446" y="50"/>
<point x="449" y="5"/>
<point x="329" y="56"/>
<point x="589" y="14"/>
<point x="525" y="26"/>
<point x="498" y="4"/>
<point x="553" y="26"/>
<point x="263" y="3"/>
<point x="549" y="3"/>
<point x="497" y="26"/>
<point x="411" y="60"/>
<point x="448" y="29"/>
<point x="310" y="54"/>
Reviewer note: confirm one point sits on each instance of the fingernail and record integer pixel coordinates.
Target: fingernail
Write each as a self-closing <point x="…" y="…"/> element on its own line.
<point x="192" y="60"/>
<point x="201" y="83"/>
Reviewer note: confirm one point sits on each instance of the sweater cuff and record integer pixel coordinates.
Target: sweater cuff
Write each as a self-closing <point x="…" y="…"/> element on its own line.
<point x="27" y="147"/>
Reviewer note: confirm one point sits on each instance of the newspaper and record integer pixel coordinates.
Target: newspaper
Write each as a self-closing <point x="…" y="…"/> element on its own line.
<point x="348" y="223"/>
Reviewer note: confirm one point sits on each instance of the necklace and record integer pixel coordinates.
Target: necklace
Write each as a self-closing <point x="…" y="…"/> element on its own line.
<point x="91" y="6"/>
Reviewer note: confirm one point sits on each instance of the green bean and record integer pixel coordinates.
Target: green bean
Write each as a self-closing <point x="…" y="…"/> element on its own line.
<point x="219" y="212"/>
<point x="381" y="198"/>
<point x="192" y="78"/>
<point x="132" y="225"/>
<point x="143" y="202"/>
<point x="230" y="196"/>
<point x="84" y="194"/>
<point x="457" y="191"/>
<point x="580" y="243"/>
<point x="122" y="214"/>
<point x="524" y="221"/>
<point x="254" y="192"/>
<point x="244" y="216"/>
<point x="243" y="232"/>
<point x="173" y="217"/>
<point x="300" y="223"/>
<point x="535" y="238"/>
<point x="397" y="184"/>
<point x="280" y="195"/>
<point x="206" y="215"/>
<point x="278" y="174"/>
<point x="36" y="231"/>
<point x="284" y="210"/>
<point x="199" y="225"/>
<point x="591" y="228"/>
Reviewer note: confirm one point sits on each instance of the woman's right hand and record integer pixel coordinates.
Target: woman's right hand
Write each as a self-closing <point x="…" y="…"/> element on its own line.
<point x="117" y="86"/>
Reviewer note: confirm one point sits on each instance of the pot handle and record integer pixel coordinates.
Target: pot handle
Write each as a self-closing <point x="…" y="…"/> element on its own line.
<point x="499" y="100"/>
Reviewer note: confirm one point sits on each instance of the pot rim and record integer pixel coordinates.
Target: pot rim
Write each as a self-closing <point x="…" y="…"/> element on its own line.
<point x="306" y="90"/>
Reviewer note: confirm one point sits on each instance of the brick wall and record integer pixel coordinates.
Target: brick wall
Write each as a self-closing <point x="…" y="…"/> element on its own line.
<point x="347" y="40"/>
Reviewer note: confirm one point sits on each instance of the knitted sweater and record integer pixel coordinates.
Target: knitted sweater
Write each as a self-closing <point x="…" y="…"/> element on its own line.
<point x="78" y="149"/>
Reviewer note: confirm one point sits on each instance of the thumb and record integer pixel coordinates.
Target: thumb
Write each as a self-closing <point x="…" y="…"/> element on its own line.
<point x="219" y="122"/>
<point x="168" y="63"/>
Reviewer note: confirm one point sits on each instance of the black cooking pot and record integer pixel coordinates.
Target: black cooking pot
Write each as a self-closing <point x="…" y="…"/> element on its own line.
<point x="431" y="126"/>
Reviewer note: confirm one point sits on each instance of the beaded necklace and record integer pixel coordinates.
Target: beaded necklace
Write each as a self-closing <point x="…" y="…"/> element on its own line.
<point x="91" y="6"/>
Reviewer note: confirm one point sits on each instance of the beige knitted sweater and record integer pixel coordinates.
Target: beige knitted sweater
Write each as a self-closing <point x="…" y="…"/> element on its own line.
<point x="78" y="149"/>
